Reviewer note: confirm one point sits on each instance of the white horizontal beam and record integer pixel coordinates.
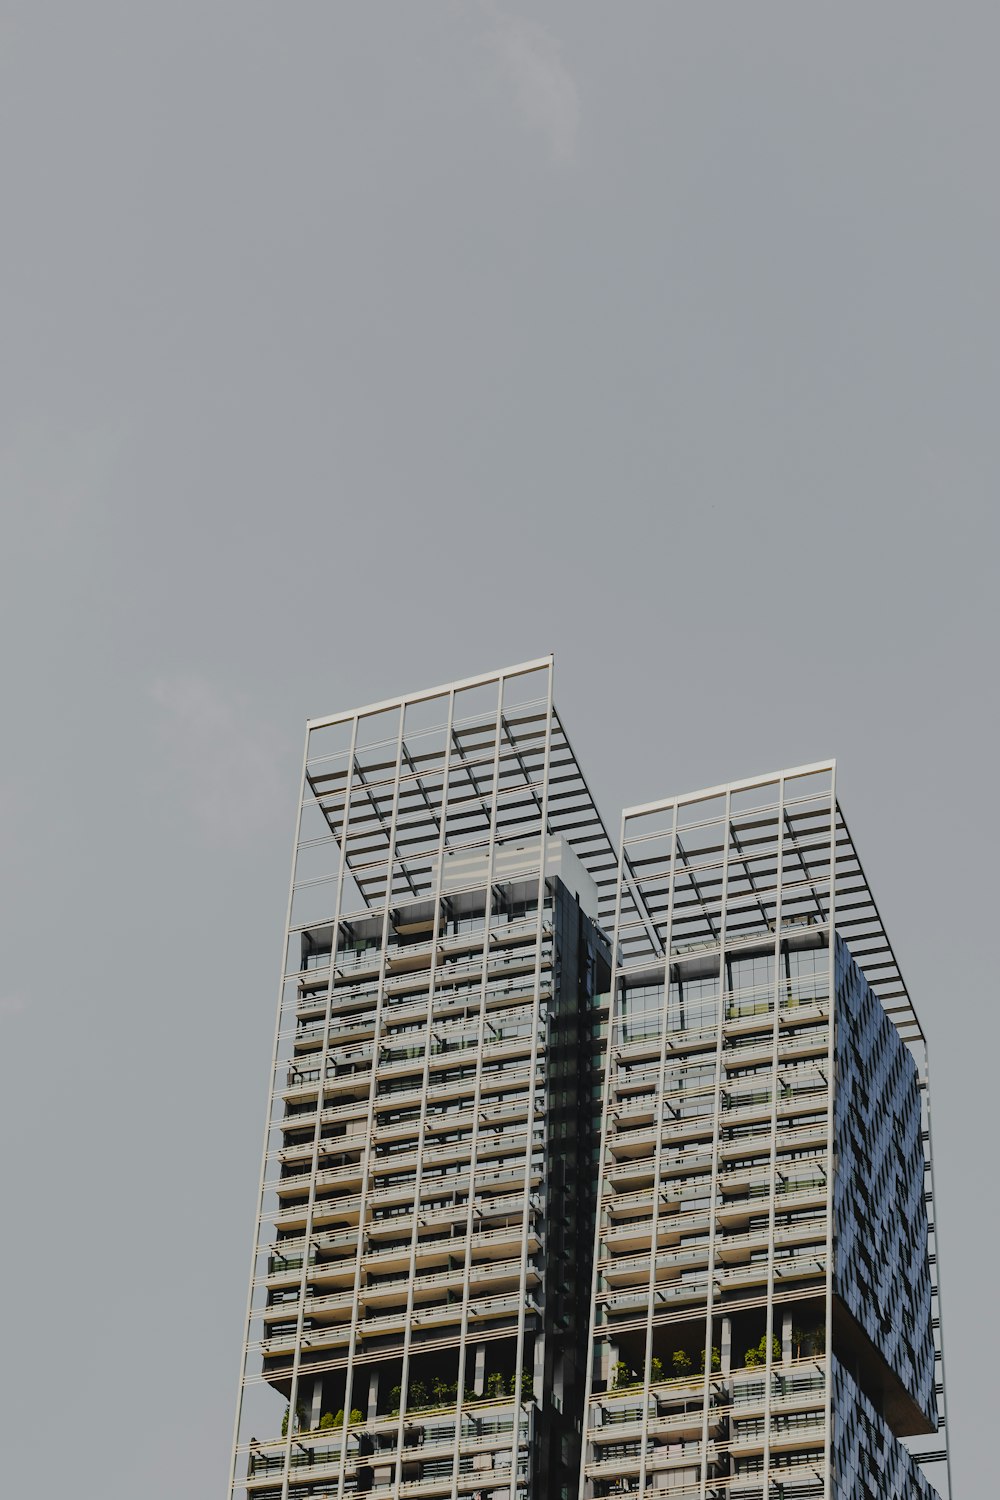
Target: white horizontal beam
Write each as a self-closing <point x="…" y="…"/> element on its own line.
<point x="520" y="670"/>
<point x="664" y="804"/>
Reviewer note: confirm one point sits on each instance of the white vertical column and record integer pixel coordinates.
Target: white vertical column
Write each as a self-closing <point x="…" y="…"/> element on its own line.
<point x="318" y="1128"/>
<point x="268" y="1123"/>
<point x="470" y="1217"/>
<point x="369" y="1125"/>
<point x="773" y="1145"/>
<point x="716" y="1127"/>
<point x="659" y="1120"/>
<point x="831" y="1091"/>
<point x="529" y="1144"/>
<point x="425" y="1084"/>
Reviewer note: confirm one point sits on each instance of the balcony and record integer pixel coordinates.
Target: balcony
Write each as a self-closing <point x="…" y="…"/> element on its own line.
<point x="633" y="1270"/>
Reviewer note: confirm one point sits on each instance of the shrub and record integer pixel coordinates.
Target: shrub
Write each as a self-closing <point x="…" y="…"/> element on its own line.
<point x="757" y="1356"/>
<point x="325" y="1421"/>
<point x="681" y="1362"/>
<point x="441" y="1391"/>
<point x="356" y="1415"/>
<point x="417" y="1397"/>
<point x="656" y="1369"/>
<point x="300" y="1420"/>
<point x="716" y="1360"/>
<point x="495" y="1386"/>
<point x="621" y="1375"/>
<point x="808" y="1341"/>
<point x="338" y="1420"/>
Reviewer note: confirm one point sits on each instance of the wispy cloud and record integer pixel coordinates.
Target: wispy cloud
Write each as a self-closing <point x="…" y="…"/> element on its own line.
<point x="226" y="766"/>
<point x="545" y="93"/>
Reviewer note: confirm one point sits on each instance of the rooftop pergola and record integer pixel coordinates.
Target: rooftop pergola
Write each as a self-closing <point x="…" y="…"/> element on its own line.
<point x="501" y="766"/>
<point x="497" y="769"/>
<point x="676" y="861"/>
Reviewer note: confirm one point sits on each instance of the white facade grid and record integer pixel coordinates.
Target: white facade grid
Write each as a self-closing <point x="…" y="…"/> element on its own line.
<point x="399" y="1276"/>
<point x="789" y="909"/>
<point x="413" y="834"/>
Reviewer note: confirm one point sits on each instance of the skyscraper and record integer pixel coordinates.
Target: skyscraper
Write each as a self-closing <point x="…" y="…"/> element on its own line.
<point x="764" y="1310"/>
<point x="585" y="1170"/>
<point x="417" y="1317"/>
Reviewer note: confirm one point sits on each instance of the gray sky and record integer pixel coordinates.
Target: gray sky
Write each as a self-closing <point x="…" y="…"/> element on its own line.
<point x="348" y="349"/>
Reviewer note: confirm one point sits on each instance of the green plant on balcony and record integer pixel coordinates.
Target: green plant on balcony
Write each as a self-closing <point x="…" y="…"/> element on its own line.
<point x="300" y="1420"/>
<point x="416" y="1396"/>
<point x="526" y="1384"/>
<point x="716" y="1360"/>
<point x="338" y="1421"/>
<point x="680" y="1362"/>
<point x="622" y="1376"/>
<point x="496" y="1386"/>
<point x="326" y="1421"/>
<point x="808" y="1342"/>
<point x="756" y="1357"/>
<point x="395" y="1398"/>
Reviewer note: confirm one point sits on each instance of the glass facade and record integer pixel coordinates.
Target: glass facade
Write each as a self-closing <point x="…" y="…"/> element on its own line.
<point x="881" y="1272"/>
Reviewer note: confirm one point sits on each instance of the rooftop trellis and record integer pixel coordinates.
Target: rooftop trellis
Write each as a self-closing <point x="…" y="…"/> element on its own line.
<point x="812" y="824"/>
<point x="523" y="743"/>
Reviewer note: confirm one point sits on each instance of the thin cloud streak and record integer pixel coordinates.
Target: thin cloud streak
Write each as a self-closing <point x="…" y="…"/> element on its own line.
<point x="545" y="93"/>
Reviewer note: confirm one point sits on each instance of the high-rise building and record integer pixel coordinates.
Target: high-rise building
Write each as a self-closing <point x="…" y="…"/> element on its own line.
<point x="586" y="1171"/>
<point x="421" y="1279"/>
<point x="764" y="1308"/>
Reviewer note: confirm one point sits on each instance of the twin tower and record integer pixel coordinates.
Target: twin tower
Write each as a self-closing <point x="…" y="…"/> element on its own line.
<point x="590" y="1169"/>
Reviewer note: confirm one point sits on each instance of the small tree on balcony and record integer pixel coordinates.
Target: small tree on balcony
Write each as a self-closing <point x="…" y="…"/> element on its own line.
<point x="300" y="1420"/>
<point x="417" y="1397"/>
<point x="808" y="1342"/>
<point x="756" y="1358"/>
<point x="441" y="1392"/>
